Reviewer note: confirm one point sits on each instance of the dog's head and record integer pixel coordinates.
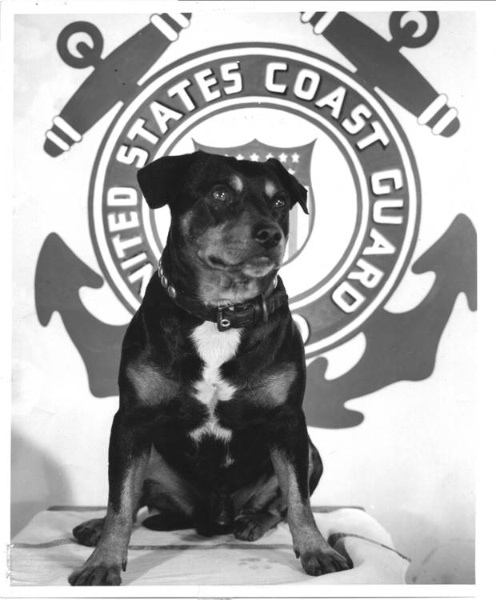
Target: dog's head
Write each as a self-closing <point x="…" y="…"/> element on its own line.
<point x="228" y="215"/>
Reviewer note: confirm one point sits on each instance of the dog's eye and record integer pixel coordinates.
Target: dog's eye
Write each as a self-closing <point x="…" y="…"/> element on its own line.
<point x="279" y="202"/>
<point x="221" y="193"/>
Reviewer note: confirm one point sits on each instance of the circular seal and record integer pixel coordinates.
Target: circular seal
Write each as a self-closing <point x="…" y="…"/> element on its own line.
<point x="258" y="101"/>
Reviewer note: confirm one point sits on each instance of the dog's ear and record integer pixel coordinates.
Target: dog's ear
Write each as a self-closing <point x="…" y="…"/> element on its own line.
<point x="297" y="192"/>
<point x="161" y="180"/>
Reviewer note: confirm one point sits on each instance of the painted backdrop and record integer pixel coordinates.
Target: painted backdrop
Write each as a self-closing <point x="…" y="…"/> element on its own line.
<point x="373" y="113"/>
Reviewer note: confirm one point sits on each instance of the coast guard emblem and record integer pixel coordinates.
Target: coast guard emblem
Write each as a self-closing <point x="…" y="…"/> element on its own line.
<point x="327" y="124"/>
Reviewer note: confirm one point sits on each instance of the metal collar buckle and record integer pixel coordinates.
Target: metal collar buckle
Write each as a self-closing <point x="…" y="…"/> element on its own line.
<point x="223" y="322"/>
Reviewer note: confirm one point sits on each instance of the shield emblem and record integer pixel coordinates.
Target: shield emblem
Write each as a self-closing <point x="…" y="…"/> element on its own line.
<point x="297" y="160"/>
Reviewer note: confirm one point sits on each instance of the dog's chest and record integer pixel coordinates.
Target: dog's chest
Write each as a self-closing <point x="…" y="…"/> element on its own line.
<point x="214" y="348"/>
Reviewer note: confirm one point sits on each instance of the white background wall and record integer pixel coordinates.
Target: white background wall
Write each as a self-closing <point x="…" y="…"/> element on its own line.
<point x="410" y="463"/>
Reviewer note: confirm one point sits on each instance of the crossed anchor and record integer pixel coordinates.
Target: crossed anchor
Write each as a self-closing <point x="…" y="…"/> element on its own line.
<point x="379" y="63"/>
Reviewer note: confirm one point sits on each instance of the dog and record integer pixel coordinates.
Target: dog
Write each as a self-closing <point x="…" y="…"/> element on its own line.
<point x="210" y="432"/>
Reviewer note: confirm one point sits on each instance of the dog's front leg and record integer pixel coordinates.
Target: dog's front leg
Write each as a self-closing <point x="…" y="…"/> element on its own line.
<point x="290" y="457"/>
<point x="128" y="456"/>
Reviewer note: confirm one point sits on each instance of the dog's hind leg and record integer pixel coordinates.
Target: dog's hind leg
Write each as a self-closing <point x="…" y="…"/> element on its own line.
<point x="168" y="493"/>
<point x="173" y="514"/>
<point x="252" y="526"/>
<point x="315" y="467"/>
<point x="89" y="532"/>
<point x="258" y="508"/>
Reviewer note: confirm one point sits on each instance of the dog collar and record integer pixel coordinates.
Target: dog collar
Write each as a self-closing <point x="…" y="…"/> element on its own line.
<point x="235" y="316"/>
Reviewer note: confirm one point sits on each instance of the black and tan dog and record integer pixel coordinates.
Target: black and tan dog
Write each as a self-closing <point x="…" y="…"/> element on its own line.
<point x="210" y="431"/>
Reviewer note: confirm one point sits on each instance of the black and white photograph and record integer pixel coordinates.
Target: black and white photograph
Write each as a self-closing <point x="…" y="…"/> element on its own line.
<point x="243" y="314"/>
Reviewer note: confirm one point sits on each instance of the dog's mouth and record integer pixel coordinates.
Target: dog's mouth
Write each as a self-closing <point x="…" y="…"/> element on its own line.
<point x="256" y="266"/>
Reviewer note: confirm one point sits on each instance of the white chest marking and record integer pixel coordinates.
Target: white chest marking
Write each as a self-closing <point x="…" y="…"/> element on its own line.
<point x="215" y="348"/>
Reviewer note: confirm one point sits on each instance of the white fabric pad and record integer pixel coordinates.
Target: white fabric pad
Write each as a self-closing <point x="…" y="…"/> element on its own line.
<point x="45" y="553"/>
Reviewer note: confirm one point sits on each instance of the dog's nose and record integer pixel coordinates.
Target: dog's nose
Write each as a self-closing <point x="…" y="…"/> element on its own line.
<point x="267" y="235"/>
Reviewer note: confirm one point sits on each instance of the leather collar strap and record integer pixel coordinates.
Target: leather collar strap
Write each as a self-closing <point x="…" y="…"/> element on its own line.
<point x="234" y="316"/>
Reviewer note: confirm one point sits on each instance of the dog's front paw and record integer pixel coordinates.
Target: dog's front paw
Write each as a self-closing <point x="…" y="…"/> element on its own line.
<point x="96" y="575"/>
<point x="103" y="567"/>
<point x="323" y="560"/>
